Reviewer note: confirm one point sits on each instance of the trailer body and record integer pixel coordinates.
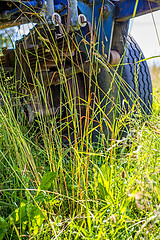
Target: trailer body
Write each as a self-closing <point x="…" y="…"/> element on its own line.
<point x="81" y="15"/>
<point x="80" y="33"/>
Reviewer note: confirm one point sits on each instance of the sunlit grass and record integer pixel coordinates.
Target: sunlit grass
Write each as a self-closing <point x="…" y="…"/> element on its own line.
<point x="76" y="190"/>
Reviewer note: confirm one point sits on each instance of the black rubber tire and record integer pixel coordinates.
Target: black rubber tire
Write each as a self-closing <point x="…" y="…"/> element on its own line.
<point x="137" y="77"/>
<point x="134" y="88"/>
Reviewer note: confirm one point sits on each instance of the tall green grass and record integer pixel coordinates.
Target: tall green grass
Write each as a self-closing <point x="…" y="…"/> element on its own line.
<point x="52" y="190"/>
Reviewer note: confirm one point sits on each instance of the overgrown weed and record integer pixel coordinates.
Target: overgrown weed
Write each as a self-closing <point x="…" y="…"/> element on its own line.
<point x="55" y="190"/>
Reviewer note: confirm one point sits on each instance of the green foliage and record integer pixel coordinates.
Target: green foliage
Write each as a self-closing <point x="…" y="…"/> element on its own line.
<point x="47" y="180"/>
<point x="100" y="193"/>
<point x="29" y="214"/>
<point x="50" y="190"/>
<point x="3" y="227"/>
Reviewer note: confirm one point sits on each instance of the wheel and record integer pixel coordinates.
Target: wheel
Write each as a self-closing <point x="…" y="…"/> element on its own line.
<point x="137" y="77"/>
<point x="132" y="87"/>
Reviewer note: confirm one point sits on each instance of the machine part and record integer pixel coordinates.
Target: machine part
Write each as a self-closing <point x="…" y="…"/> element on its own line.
<point x="157" y="1"/>
<point x="27" y="6"/>
<point x="55" y="78"/>
<point x="115" y="58"/>
<point x="59" y="7"/>
<point x="82" y="20"/>
<point x="112" y="93"/>
<point x="105" y="11"/>
<point x="6" y="69"/>
<point x="11" y="12"/>
<point x="56" y="19"/>
<point x="108" y="94"/>
<point x="50" y="9"/>
<point x="129" y="9"/>
<point x="137" y="77"/>
<point x="120" y="36"/>
<point x="68" y="20"/>
<point x="104" y="94"/>
<point x="74" y="13"/>
<point x="102" y="25"/>
<point x="53" y="65"/>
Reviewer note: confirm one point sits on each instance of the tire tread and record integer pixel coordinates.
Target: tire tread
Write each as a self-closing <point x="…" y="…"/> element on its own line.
<point x="144" y="85"/>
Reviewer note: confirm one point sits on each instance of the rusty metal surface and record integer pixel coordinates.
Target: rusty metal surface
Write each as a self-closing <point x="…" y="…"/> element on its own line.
<point x="42" y="61"/>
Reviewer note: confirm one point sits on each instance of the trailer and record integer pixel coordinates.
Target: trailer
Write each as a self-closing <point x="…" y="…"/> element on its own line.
<point x="78" y="63"/>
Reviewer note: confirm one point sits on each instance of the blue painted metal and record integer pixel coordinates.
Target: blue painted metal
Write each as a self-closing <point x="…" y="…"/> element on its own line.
<point x="36" y="5"/>
<point x="101" y="17"/>
<point x="61" y="6"/>
<point x="102" y="23"/>
<point x="125" y="8"/>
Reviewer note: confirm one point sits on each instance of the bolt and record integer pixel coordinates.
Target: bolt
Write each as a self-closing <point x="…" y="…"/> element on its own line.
<point x="82" y="20"/>
<point x="105" y="11"/>
<point x="41" y="3"/>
